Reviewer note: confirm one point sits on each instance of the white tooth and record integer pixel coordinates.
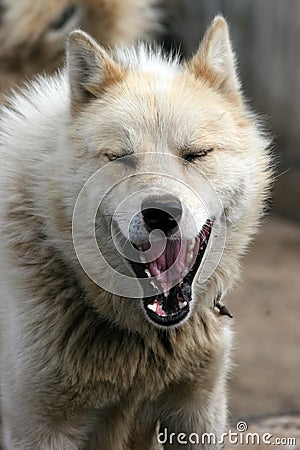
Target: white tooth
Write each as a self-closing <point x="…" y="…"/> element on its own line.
<point x="182" y="304"/>
<point x="185" y="269"/>
<point x="191" y="244"/>
<point x="189" y="257"/>
<point x="152" y="307"/>
<point x="154" y="285"/>
<point x="148" y="273"/>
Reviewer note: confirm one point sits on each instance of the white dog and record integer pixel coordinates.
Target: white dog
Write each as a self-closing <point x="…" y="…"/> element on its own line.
<point x="163" y="166"/>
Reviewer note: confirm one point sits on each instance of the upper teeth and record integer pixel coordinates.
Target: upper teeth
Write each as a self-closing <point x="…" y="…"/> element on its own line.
<point x="154" y="286"/>
<point x="191" y="244"/>
<point x="189" y="257"/>
<point x="142" y="258"/>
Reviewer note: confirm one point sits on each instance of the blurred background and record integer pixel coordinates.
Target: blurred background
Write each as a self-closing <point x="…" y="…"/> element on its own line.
<point x="265" y="384"/>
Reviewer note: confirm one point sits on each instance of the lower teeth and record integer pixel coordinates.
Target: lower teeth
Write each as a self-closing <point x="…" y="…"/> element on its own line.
<point x="152" y="307"/>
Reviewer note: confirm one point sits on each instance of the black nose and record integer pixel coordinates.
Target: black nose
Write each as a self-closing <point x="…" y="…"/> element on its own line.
<point x="162" y="212"/>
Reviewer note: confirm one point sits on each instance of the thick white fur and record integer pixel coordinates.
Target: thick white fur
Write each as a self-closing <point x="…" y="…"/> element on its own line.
<point x="81" y="368"/>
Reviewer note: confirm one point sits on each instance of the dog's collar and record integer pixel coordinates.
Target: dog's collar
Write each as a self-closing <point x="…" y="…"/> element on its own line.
<point x="223" y="310"/>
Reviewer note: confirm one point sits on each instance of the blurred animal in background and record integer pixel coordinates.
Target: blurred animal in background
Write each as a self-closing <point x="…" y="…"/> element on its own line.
<point x="33" y="32"/>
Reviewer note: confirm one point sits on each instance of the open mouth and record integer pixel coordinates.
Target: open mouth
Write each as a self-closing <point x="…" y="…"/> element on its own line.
<point x="171" y="275"/>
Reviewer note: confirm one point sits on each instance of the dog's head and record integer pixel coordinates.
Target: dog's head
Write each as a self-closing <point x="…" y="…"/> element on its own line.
<point x="183" y="168"/>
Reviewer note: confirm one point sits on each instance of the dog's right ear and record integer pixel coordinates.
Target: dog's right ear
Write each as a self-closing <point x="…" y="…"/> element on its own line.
<point x="91" y="69"/>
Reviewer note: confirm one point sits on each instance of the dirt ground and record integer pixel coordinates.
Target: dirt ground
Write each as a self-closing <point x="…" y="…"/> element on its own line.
<point x="266" y="308"/>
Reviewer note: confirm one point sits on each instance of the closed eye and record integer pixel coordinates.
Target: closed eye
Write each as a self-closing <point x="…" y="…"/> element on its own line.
<point x="127" y="158"/>
<point x="64" y="18"/>
<point x="115" y="156"/>
<point x="192" y="156"/>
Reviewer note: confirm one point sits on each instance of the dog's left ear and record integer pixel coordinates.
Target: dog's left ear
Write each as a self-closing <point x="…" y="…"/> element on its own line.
<point x="215" y="62"/>
<point x="91" y="69"/>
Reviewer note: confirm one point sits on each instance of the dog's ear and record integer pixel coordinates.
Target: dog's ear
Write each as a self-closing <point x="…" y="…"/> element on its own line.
<point x="215" y="60"/>
<point x="91" y="69"/>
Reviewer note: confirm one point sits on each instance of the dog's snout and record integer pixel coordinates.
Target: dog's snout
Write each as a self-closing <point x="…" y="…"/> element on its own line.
<point x="163" y="213"/>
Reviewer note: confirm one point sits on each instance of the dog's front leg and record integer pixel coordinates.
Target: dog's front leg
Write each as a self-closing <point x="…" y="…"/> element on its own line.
<point x="27" y="432"/>
<point x="144" y="428"/>
<point x="193" y="418"/>
<point x="189" y="430"/>
<point x="111" y="427"/>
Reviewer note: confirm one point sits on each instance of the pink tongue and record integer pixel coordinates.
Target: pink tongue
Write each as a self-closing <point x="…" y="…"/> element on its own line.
<point x="169" y="266"/>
